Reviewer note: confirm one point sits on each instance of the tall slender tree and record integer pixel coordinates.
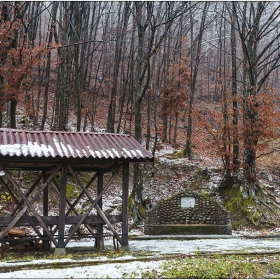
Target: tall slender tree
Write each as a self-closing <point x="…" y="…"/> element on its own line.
<point x="149" y="16"/>
<point x="256" y="23"/>
<point x="195" y="58"/>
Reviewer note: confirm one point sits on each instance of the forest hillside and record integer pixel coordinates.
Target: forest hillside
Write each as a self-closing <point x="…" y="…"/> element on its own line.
<point x="197" y="78"/>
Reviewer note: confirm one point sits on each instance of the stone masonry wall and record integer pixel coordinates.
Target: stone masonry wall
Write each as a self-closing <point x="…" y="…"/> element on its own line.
<point x="205" y="211"/>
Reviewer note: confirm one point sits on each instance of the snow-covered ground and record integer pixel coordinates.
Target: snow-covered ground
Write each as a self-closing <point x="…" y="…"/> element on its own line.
<point x="129" y="266"/>
<point x="101" y="271"/>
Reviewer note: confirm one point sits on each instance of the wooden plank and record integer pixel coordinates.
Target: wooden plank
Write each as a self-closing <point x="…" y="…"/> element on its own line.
<point x="79" y="164"/>
<point x="62" y="205"/>
<point x="94" y="219"/>
<point x="125" y="185"/>
<point x="54" y="220"/>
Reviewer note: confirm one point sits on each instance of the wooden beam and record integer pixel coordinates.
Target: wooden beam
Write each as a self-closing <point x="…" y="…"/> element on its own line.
<point x="45" y="198"/>
<point x="27" y="194"/>
<point x="75" y="175"/>
<point x="57" y="188"/>
<point x="94" y="202"/>
<point x="62" y="205"/>
<point x="99" y="241"/>
<point x="54" y="220"/>
<point x="108" y="223"/>
<point x="19" y="203"/>
<point x="29" y="205"/>
<point x="45" y="209"/>
<point x="125" y="185"/>
<point x="81" y="194"/>
<point x="13" y="222"/>
<point x="40" y="163"/>
<point x="6" y="187"/>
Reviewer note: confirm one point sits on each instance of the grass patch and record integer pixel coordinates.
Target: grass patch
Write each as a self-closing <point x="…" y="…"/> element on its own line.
<point x="212" y="266"/>
<point x="274" y="267"/>
<point x="23" y="255"/>
<point x="217" y="267"/>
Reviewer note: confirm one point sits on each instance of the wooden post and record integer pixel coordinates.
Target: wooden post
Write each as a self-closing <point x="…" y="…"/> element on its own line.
<point x="46" y="243"/>
<point x="125" y="185"/>
<point x="62" y="204"/>
<point x="99" y="240"/>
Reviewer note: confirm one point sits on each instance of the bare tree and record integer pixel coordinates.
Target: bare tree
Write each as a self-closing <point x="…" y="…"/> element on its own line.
<point x="52" y="26"/>
<point x="119" y="47"/>
<point x="149" y="16"/>
<point x="256" y="23"/>
<point x="195" y="58"/>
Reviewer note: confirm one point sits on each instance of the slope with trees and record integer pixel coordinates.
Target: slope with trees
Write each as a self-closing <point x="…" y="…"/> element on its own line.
<point x="201" y="76"/>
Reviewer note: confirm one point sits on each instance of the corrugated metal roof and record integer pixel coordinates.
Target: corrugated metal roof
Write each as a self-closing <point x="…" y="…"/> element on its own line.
<point x="62" y="144"/>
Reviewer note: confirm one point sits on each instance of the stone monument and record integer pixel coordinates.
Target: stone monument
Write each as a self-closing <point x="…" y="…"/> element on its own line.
<point x="188" y="213"/>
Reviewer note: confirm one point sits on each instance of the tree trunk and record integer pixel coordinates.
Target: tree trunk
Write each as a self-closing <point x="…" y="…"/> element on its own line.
<point x="236" y="161"/>
<point x="77" y="66"/>
<point x="194" y="71"/>
<point x="121" y="29"/>
<point x="48" y="65"/>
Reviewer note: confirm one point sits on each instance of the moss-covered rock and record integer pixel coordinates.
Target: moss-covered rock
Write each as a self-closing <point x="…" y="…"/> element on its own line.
<point x="258" y="208"/>
<point x="176" y="154"/>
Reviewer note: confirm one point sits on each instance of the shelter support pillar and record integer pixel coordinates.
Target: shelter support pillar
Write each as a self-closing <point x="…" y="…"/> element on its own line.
<point x="125" y="204"/>
<point x="62" y="204"/>
<point x="99" y="240"/>
<point x="46" y="243"/>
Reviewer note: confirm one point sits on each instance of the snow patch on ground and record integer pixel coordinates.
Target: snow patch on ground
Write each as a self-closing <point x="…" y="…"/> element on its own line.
<point x="129" y="267"/>
<point x="165" y="150"/>
<point x="102" y="271"/>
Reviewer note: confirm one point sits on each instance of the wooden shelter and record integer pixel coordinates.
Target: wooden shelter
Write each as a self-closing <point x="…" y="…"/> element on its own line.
<point x="53" y="156"/>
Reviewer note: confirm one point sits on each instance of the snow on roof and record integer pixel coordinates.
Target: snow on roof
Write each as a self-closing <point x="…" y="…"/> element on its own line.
<point x="18" y="143"/>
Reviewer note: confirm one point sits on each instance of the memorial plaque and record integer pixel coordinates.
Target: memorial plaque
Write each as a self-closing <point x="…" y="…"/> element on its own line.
<point x="187" y="202"/>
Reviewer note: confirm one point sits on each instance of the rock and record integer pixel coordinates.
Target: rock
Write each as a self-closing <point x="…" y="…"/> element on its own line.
<point x="210" y="185"/>
<point x="216" y="179"/>
<point x="60" y="252"/>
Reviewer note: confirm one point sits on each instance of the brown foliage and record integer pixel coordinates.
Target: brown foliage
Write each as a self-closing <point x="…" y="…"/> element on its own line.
<point x="18" y="64"/>
<point x="258" y="134"/>
<point x="177" y="89"/>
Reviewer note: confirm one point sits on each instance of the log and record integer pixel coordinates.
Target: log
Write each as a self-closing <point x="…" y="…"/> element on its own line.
<point x="17" y="232"/>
